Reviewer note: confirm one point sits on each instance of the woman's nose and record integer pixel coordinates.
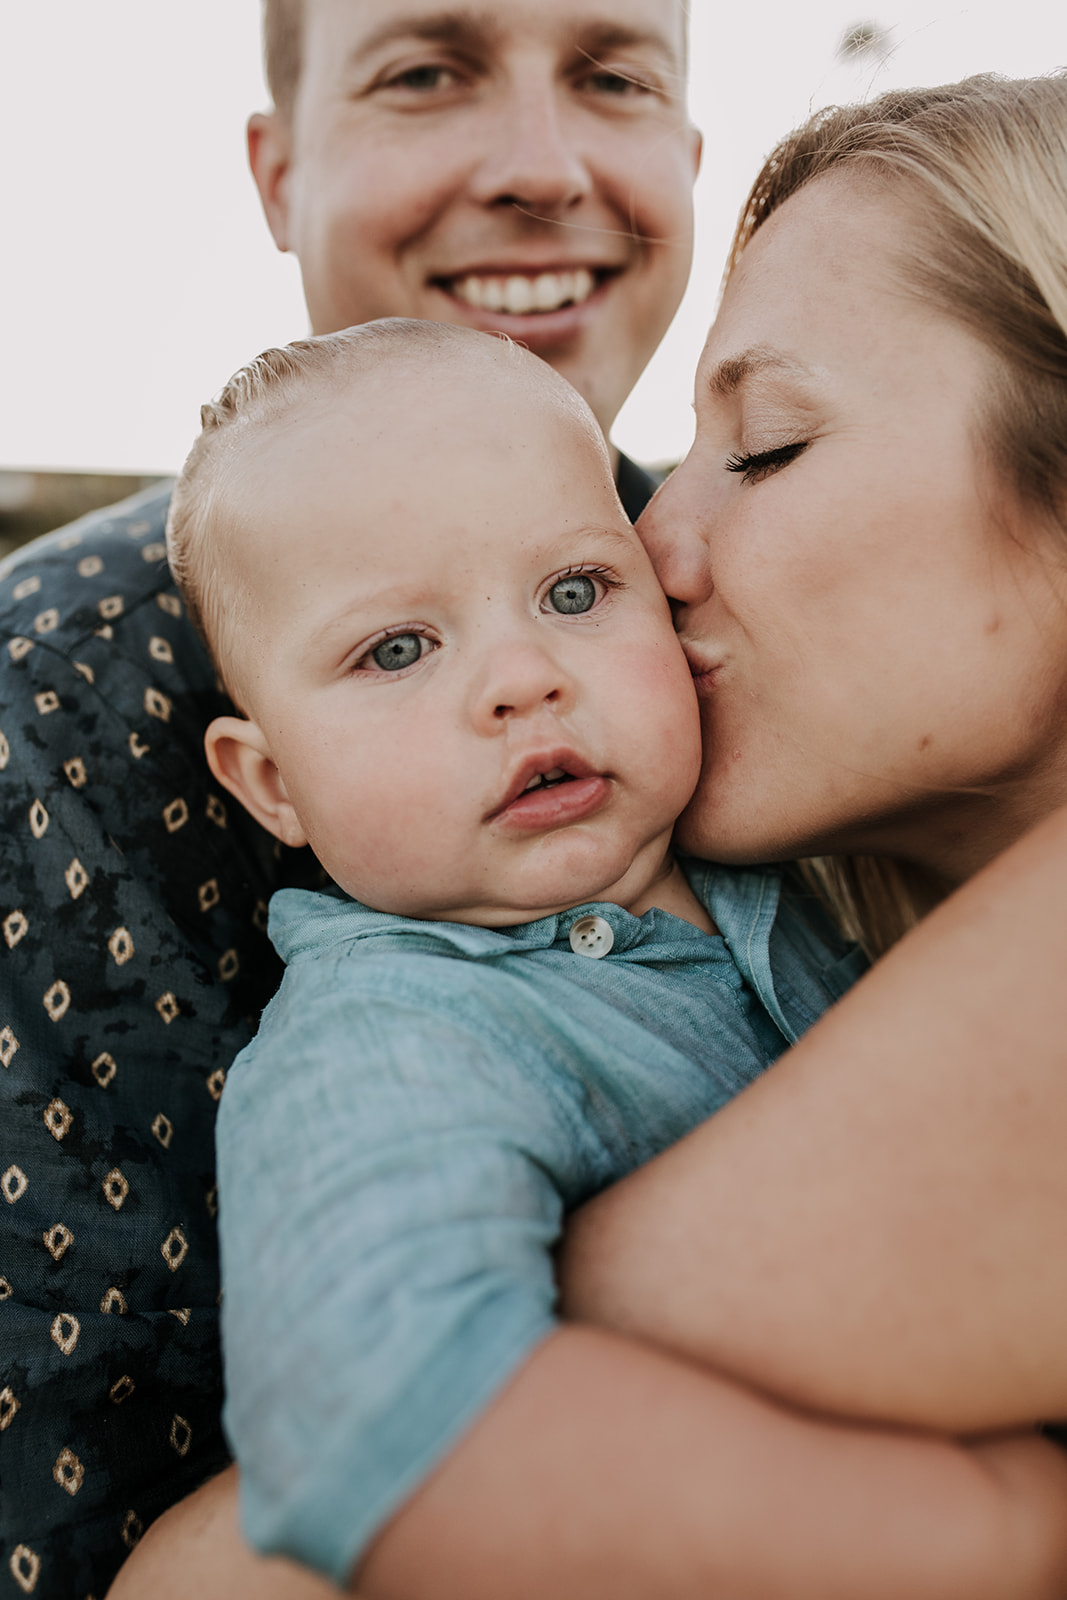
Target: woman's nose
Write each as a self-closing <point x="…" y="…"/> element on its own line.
<point x="673" y="529"/>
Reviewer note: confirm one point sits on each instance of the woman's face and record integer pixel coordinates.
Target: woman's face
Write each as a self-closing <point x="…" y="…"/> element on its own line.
<point x="877" y="630"/>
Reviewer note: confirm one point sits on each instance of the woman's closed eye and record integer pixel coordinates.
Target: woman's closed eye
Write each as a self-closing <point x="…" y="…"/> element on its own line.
<point x="762" y="463"/>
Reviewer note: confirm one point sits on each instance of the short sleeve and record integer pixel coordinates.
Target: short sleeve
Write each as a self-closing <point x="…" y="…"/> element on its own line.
<point x="390" y="1185"/>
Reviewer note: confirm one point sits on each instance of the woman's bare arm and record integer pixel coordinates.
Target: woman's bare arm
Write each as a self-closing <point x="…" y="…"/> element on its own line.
<point x="877" y="1227"/>
<point x="609" y="1470"/>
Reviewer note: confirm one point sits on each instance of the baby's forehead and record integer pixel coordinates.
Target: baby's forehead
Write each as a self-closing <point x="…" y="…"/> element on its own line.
<point x="472" y="373"/>
<point x="430" y="437"/>
<point x="397" y="417"/>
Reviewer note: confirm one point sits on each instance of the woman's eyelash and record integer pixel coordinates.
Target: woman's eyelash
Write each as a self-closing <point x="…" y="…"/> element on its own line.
<point x="763" y="462"/>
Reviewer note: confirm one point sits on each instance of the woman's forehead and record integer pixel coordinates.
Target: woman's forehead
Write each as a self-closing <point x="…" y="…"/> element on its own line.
<point x="835" y="253"/>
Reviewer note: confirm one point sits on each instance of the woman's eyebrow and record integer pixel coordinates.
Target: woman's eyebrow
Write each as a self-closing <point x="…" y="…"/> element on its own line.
<point x="729" y="374"/>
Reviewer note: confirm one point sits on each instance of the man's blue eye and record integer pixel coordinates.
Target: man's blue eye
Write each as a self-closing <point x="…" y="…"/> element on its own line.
<point x="402" y="650"/>
<point x="569" y="596"/>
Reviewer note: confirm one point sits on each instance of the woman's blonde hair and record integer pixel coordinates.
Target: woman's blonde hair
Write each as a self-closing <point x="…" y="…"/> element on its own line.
<point x="983" y="167"/>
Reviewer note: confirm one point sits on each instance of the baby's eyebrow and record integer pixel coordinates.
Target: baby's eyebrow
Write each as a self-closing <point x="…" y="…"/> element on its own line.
<point x="573" y="544"/>
<point x="367" y="605"/>
<point x="407" y="597"/>
<point x="610" y="535"/>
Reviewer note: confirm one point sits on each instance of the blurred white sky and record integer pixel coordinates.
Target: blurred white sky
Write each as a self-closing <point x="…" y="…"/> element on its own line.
<point x="137" y="272"/>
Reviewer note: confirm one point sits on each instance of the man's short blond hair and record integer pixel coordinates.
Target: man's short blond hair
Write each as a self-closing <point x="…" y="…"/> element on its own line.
<point x="283" y="42"/>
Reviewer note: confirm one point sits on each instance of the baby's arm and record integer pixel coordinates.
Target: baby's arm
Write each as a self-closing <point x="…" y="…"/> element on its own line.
<point x="386" y="1220"/>
<point x="876" y="1227"/>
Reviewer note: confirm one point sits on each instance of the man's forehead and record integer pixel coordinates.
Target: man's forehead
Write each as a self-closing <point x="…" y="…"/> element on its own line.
<point x="368" y="23"/>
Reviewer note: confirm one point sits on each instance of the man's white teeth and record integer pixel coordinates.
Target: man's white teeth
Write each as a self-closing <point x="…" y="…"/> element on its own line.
<point x="545" y="779"/>
<point x="518" y="296"/>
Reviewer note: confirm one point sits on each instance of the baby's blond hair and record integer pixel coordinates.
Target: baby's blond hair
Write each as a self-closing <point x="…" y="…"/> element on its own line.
<point x="267" y="393"/>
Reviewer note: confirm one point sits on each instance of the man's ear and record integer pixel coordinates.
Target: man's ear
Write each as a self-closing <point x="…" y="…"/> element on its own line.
<point x="697" y="146"/>
<point x="270" y="154"/>
<point x="238" y="755"/>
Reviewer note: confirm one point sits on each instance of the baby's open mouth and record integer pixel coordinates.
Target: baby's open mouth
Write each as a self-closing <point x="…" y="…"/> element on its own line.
<point x="518" y="294"/>
<point x="554" y="798"/>
<point x="576" y="789"/>
<point x="548" y="780"/>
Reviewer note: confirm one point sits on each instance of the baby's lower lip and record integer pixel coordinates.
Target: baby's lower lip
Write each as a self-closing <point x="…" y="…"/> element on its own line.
<point x="539" y="809"/>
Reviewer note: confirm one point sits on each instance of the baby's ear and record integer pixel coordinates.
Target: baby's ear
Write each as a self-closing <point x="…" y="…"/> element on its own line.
<point x="240" y="758"/>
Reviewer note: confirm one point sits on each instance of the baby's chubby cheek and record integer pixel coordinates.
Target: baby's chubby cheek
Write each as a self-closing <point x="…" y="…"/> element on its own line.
<point x="664" y="715"/>
<point x="393" y="849"/>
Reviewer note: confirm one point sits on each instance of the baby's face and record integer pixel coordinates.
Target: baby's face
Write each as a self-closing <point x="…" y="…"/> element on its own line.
<point x="457" y="655"/>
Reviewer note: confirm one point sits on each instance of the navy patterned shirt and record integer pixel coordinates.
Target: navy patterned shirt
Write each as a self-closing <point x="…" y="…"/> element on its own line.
<point x="133" y="962"/>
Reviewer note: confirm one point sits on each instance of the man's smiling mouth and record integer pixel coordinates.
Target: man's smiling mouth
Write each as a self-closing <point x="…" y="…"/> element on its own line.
<point x="518" y="294"/>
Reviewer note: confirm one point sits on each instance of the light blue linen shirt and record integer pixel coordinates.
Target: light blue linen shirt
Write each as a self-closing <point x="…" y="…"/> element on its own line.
<point x="398" y="1144"/>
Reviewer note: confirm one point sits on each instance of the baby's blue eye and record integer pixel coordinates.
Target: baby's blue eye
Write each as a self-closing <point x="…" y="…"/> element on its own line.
<point x="402" y="650"/>
<point x="569" y="596"/>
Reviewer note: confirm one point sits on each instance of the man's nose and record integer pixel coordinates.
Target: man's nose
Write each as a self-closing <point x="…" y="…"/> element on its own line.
<point x="674" y="530"/>
<point x="519" y="679"/>
<point x="532" y="158"/>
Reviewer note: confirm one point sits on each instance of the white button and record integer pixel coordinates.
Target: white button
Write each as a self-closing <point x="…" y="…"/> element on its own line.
<point x="591" y="936"/>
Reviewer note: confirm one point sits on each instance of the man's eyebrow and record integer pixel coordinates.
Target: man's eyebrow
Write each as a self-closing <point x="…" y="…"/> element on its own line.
<point x="597" y="38"/>
<point x="454" y="26"/>
<point x="463" y="25"/>
<point x="729" y="374"/>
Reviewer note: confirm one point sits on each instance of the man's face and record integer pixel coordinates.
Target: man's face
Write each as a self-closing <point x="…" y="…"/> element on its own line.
<point x="515" y="165"/>
<point x="466" y="678"/>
